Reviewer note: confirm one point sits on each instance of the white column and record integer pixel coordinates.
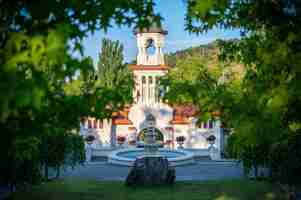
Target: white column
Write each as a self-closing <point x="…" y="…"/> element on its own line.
<point x="217" y="133"/>
<point x="150" y="89"/>
<point x="98" y="122"/>
<point x="86" y="124"/>
<point x="155" y="85"/>
<point x="142" y="90"/>
<point x="157" y="55"/>
<point x="153" y="90"/>
<point x="147" y="90"/>
<point x="144" y="54"/>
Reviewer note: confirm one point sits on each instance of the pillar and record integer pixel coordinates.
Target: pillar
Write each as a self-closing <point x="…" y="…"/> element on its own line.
<point x="218" y="141"/>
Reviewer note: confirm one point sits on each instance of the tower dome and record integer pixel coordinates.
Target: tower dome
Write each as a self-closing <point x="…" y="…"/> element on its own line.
<point x="154" y="27"/>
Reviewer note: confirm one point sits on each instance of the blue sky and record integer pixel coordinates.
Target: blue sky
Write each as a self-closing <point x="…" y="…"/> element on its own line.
<point x="173" y="13"/>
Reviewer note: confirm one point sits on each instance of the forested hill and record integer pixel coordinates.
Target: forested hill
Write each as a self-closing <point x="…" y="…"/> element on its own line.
<point x="208" y="51"/>
<point x="207" y="54"/>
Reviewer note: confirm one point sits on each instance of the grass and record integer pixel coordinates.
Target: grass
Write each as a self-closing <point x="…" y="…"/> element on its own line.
<point x="75" y="189"/>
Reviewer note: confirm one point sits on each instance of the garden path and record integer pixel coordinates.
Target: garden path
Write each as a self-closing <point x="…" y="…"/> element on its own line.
<point x="202" y="170"/>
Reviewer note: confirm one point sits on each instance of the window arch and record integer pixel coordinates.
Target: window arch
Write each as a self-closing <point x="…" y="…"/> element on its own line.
<point x="95" y="124"/>
<point x="150" y="46"/>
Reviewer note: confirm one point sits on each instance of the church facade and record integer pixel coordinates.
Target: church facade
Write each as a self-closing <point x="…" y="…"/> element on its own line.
<point x="171" y="123"/>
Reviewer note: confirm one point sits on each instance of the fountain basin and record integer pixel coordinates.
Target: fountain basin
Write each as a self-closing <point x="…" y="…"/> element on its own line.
<point x="127" y="157"/>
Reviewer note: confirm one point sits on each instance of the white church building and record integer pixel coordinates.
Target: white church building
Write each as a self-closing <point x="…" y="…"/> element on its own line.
<point x="170" y="122"/>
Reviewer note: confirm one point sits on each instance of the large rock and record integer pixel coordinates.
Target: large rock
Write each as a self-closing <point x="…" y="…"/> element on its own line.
<point x="151" y="170"/>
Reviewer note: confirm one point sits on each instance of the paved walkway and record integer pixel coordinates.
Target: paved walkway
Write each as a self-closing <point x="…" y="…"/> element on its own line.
<point x="198" y="171"/>
<point x="4" y="192"/>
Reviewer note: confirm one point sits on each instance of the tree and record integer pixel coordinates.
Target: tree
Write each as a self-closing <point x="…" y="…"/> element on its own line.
<point x="112" y="72"/>
<point x="268" y="95"/>
<point x="114" y="78"/>
<point x="197" y="79"/>
<point x="37" y="41"/>
<point x="32" y="29"/>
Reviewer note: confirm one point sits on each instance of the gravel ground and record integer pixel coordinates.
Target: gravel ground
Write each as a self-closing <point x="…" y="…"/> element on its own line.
<point x="199" y="171"/>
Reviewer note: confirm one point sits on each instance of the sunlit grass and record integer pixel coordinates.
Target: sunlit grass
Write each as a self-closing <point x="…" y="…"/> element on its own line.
<point x="75" y="189"/>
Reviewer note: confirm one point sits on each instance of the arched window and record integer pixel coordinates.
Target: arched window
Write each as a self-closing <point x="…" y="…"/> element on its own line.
<point x="150" y="47"/>
<point x="143" y="80"/>
<point x="100" y="124"/>
<point x="205" y="125"/>
<point x="210" y="124"/>
<point x="150" y="80"/>
<point x="95" y="123"/>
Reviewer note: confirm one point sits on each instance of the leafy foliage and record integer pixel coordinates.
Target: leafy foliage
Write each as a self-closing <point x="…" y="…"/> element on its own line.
<point x="114" y="75"/>
<point x="44" y="89"/>
<point x="198" y="79"/>
<point x="262" y="106"/>
<point x="288" y="152"/>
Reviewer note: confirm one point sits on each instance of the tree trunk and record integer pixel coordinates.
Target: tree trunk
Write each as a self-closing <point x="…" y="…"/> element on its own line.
<point x="12" y="186"/>
<point x="13" y="181"/>
<point x="58" y="171"/>
<point x="46" y="171"/>
<point x="255" y="171"/>
<point x="13" y="175"/>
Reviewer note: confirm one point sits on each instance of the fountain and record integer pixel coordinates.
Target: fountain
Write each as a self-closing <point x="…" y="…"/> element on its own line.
<point x="151" y="148"/>
<point x="151" y="168"/>
<point x="150" y="145"/>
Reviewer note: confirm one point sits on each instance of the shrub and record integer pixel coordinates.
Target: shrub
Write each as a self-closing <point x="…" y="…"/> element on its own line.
<point x="211" y="138"/>
<point x="286" y="160"/>
<point x="180" y="139"/>
<point x="121" y="139"/>
<point x="90" y="138"/>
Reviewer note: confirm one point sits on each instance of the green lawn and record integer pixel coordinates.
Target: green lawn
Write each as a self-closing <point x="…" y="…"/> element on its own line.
<point x="74" y="189"/>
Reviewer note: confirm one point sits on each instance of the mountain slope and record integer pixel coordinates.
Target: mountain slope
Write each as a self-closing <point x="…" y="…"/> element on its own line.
<point x="208" y="52"/>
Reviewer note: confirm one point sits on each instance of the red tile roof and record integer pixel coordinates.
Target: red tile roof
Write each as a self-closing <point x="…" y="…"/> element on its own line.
<point x="185" y="110"/>
<point x="118" y="121"/>
<point x="149" y="67"/>
<point x="121" y="117"/>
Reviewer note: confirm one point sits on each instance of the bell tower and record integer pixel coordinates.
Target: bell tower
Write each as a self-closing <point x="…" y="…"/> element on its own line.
<point x="150" y="64"/>
<point x="150" y="42"/>
<point x="150" y="48"/>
